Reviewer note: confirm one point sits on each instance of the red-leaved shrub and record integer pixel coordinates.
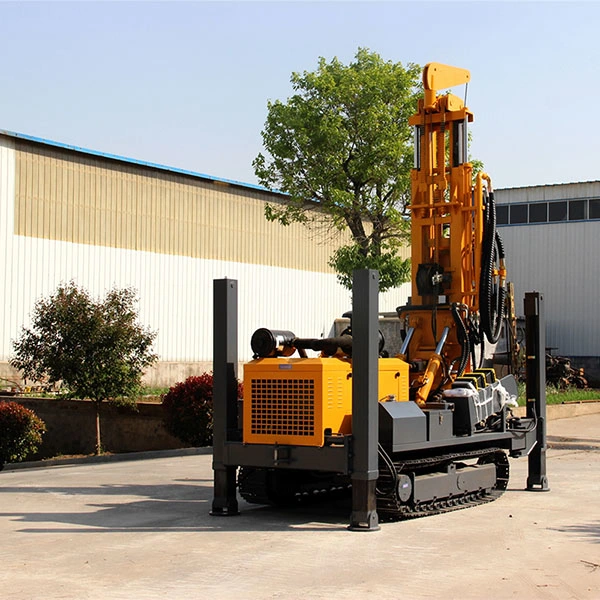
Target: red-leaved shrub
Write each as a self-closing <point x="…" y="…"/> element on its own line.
<point x="188" y="410"/>
<point x="21" y="432"/>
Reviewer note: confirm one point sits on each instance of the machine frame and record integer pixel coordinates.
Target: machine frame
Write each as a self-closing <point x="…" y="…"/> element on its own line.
<point x="355" y="455"/>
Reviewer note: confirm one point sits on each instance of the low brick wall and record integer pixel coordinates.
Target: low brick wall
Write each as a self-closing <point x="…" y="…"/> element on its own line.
<point x="71" y="427"/>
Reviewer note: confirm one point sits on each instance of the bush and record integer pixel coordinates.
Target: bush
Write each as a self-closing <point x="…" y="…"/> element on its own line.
<point x="188" y="410"/>
<point x="21" y="432"/>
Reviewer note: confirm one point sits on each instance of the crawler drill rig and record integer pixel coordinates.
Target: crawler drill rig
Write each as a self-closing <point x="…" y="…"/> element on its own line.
<point x="425" y="431"/>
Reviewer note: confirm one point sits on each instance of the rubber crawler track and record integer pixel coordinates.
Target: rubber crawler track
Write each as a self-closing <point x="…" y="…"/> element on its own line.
<point x="266" y="486"/>
<point x="391" y="509"/>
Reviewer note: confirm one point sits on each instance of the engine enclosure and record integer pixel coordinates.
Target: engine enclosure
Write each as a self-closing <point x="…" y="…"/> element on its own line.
<point x="301" y="401"/>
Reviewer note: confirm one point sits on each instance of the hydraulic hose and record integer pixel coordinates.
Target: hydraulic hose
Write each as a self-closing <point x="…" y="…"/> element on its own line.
<point x="492" y="288"/>
<point x="463" y="339"/>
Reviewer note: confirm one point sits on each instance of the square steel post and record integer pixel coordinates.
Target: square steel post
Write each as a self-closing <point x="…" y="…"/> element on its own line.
<point x="225" y="360"/>
<point x="365" y="405"/>
<point x="535" y="373"/>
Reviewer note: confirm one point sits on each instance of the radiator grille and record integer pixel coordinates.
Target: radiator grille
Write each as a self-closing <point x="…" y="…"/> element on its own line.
<point x="283" y="407"/>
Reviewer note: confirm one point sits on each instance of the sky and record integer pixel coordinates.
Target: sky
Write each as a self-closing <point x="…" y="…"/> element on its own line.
<point x="186" y="84"/>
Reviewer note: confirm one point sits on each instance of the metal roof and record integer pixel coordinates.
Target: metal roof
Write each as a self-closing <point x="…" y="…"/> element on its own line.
<point x="133" y="161"/>
<point x="547" y="185"/>
<point x="197" y="175"/>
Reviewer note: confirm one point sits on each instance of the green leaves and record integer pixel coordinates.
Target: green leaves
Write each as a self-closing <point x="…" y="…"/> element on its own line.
<point x="391" y="267"/>
<point x="342" y="144"/>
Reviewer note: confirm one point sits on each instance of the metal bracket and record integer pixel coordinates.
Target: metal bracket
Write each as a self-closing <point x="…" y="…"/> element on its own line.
<point x="225" y="341"/>
<point x="365" y="406"/>
<point x="535" y="373"/>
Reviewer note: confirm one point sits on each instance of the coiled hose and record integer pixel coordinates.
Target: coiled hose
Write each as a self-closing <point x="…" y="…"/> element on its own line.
<point x="492" y="291"/>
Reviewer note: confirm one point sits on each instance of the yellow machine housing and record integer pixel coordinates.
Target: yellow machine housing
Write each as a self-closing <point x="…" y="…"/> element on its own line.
<point x="296" y="400"/>
<point x="446" y="225"/>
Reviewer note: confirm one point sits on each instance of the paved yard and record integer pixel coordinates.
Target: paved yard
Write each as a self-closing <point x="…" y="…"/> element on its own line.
<point x="140" y="529"/>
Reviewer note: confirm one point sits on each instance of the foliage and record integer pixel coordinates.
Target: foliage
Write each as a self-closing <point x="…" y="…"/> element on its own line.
<point x="476" y="163"/>
<point x="96" y="349"/>
<point x="392" y="268"/>
<point x="188" y="410"/>
<point x="342" y="144"/>
<point x="21" y="432"/>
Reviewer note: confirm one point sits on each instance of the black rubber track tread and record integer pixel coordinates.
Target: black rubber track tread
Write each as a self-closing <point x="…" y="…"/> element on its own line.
<point x="255" y="487"/>
<point x="260" y="486"/>
<point x="390" y="509"/>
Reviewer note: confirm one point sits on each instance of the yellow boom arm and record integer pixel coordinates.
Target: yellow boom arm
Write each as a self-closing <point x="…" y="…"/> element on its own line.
<point x="446" y="226"/>
<point x="440" y="77"/>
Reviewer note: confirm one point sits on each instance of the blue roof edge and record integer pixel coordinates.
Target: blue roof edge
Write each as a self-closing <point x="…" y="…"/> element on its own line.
<point x="133" y="161"/>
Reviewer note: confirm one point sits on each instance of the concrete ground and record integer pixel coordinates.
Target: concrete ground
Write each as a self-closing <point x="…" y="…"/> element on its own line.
<point x="140" y="529"/>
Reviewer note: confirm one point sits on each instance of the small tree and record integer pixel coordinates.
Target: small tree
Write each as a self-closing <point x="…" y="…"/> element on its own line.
<point x="342" y="144"/>
<point x="21" y="432"/>
<point x="96" y="349"/>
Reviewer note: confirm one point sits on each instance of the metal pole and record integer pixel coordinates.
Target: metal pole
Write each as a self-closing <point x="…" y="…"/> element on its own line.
<point x="225" y="345"/>
<point x="365" y="406"/>
<point x="535" y="373"/>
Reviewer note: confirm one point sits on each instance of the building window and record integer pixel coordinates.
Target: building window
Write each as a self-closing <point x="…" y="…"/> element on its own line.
<point x="595" y="208"/>
<point x="502" y="215"/>
<point x="577" y="210"/>
<point x="538" y="212"/>
<point x="557" y="211"/>
<point x="518" y="213"/>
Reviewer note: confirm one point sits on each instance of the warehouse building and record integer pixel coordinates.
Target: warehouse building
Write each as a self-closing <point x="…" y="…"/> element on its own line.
<point x="552" y="239"/>
<point x="68" y="213"/>
<point x="104" y="221"/>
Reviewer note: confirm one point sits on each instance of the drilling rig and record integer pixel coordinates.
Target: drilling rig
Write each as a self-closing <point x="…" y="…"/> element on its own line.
<point x="425" y="431"/>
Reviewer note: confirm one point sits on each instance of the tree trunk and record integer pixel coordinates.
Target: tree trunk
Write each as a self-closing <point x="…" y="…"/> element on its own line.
<point x="98" y="437"/>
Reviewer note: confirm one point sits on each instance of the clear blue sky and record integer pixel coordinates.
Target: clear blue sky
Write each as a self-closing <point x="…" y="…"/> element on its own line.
<point x="186" y="84"/>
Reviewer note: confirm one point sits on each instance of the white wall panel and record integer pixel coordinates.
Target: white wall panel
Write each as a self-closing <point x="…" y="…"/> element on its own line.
<point x="560" y="260"/>
<point x="176" y="293"/>
<point x="8" y="264"/>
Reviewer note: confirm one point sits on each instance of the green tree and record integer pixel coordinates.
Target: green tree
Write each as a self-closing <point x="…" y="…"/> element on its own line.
<point x="342" y="145"/>
<point x="96" y="349"/>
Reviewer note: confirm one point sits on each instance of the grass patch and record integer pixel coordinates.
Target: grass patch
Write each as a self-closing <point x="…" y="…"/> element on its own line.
<point x="555" y="395"/>
<point x="147" y="394"/>
<point x="154" y="391"/>
<point x="152" y="394"/>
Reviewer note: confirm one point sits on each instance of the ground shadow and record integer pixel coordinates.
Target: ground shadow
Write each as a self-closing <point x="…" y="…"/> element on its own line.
<point x="585" y="531"/>
<point x="174" y="507"/>
<point x="557" y="442"/>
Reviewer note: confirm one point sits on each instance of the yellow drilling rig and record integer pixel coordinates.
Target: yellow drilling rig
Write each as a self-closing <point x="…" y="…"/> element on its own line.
<point x="427" y="430"/>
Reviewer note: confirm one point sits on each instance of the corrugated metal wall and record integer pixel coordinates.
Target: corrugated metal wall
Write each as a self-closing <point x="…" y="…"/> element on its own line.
<point x="561" y="261"/>
<point x="7" y="269"/>
<point x="70" y="197"/>
<point x="561" y="191"/>
<point x="103" y="224"/>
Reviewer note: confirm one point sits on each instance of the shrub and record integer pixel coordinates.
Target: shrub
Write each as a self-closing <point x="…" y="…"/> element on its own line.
<point x="188" y="410"/>
<point x="21" y="432"/>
